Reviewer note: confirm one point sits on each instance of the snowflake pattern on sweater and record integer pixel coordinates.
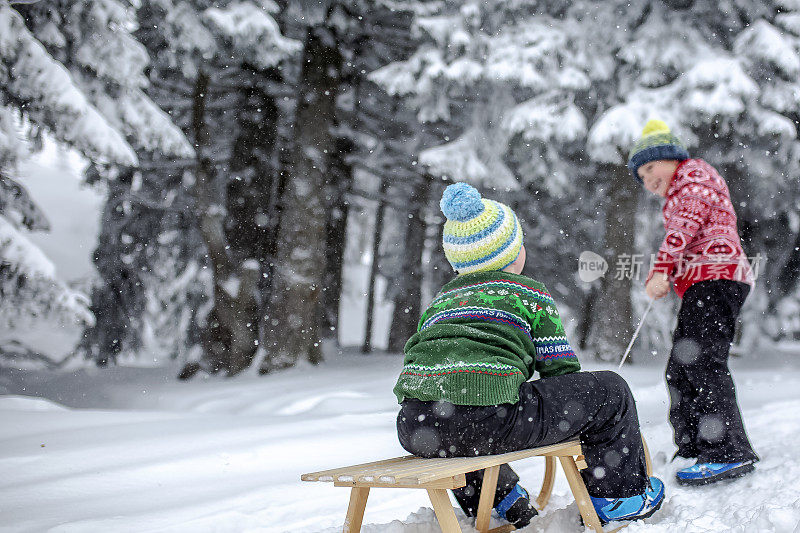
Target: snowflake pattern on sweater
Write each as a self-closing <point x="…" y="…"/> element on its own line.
<point x="701" y="242"/>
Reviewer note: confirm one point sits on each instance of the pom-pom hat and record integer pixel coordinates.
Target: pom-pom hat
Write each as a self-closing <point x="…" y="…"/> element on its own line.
<point x="657" y="143"/>
<point x="480" y="235"/>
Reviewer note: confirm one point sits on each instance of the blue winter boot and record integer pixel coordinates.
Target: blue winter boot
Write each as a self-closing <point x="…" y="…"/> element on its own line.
<point x="632" y="508"/>
<point x="703" y="473"/>
<point x="516" y="507"/>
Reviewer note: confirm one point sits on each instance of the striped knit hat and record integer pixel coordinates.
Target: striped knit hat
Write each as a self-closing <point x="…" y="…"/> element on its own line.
<point x="657" y="143"/>
<point x="480" y="235"/>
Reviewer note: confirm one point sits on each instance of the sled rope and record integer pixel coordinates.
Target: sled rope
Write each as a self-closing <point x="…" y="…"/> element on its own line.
<point x="636" y="333"/>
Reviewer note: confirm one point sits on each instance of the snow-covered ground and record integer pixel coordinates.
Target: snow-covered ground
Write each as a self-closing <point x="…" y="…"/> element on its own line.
<point x="133" y="450"/>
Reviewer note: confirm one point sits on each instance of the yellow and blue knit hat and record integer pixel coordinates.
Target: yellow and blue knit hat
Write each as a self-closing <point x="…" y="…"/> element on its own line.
<point x="480" y="235"/>
<point x="657" y="143"/>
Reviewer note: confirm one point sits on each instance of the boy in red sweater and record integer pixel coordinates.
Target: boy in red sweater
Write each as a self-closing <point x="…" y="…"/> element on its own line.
<point x="701" y="257"/>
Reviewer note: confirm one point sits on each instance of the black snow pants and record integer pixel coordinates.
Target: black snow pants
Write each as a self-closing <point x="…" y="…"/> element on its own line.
<point x="703" y="409"/>
<point x="596" y="407"/>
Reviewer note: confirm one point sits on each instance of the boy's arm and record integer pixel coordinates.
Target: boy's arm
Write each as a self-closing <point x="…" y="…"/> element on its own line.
<point x="686" y="213"/>
<point x="554" y="355"/>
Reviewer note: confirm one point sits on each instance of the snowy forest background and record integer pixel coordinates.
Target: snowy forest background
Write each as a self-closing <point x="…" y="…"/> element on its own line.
<point x="270" y="170"/>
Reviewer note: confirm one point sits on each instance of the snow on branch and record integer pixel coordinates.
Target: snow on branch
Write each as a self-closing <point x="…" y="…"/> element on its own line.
<point x="52" y="99"/>
<point x="28" y="284"/>
<point x="419" y="9"/>
<point x="616" y="129"/>
<point x="536" y="54"/>
<point x="18" y="208"/>
<point x="545" y="119"/>
<point x="663" y="46"/>
<point x="252" y="30"/>
<point x="464" y="70"/>
<point x="532" y="55"/>
<point x="133" y="113"/>
<point x="12" y="145"/>
<point x="772" y="123"/>
<point x="716" y="87"/>
<point x="400" y="77"/>
<point x="23" y="256"/>
<point x="190" y="37"/>
<point x="620" y="127"/>
<point x="763" y="42"/>
<point x="789" y="21"/>
<point x="441" y="28"/>
<point x="789" y="5"/>
<point x="469" y="159"/>
<point x="781" y="96"/>
<point x="114" y="55"/>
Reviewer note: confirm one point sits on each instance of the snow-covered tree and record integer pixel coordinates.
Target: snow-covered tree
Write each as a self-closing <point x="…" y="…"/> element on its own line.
<point x="344" y="40"/>
<point x="548" y="98"/>
<point x="733" y="98"/>
<point x="770" y="49"/>
<point x="229" y="78"/>
<point x="507" y="80"/>
<point x="71" y="70"/>
<point x="195" y="231"/>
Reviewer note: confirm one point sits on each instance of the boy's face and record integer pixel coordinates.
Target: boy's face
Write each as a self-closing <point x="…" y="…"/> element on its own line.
<point x="657" y="175"/>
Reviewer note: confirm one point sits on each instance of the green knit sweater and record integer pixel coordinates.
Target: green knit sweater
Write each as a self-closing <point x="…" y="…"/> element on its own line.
<point x="483" y="336"/>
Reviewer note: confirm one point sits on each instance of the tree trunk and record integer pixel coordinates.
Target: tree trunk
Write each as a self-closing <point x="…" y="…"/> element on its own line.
<point x="440" y="271"/>
<point x="790" y="268"/>
<point x="250" y="191"/>
<point x="231" y="333"/>
<point x="118" y="301"/>
<point x="340" y="178"/>
<point x="408" y="302"/>
<point x="292" y="323"/>
<point x="373" y="270"/>
<point x="216" y="336"/>
<point x="612" y="311"/>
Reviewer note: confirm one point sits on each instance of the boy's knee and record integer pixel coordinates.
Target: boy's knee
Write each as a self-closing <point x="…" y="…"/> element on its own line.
<point x="610" y="378"/>
<point x="613" y="383"/>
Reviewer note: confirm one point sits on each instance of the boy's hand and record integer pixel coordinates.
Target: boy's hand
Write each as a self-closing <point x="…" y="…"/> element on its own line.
<point x="658" y="286"/>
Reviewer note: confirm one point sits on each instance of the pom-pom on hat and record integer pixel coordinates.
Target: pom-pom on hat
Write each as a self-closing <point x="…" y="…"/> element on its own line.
<point x="657" y="143"/>
<point x="480" y="235"/>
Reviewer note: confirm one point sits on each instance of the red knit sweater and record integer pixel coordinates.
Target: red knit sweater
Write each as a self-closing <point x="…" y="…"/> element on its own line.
<point x="701" y="242"/>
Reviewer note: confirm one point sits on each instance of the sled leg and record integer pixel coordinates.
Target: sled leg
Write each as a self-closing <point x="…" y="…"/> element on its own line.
<point x="647" y="461"/>
<point x="488" y="490"/>
<point x="547" y="484"/>
<point x="444" y="511"/>
<point x="581" y="495"/>
<point x="355" y="511"/>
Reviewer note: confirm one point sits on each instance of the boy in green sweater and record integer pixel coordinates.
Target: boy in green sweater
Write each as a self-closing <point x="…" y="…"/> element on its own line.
<point x="464" y="386"/>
